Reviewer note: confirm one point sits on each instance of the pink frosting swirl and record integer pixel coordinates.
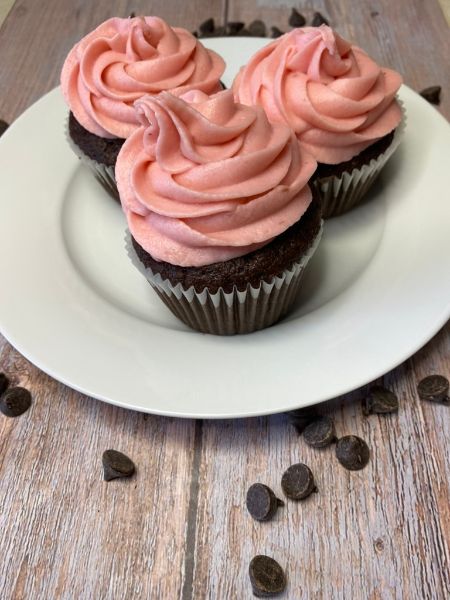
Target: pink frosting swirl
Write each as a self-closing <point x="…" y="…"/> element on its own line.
<point x="334" y="96"/>
<point x="206" y="179"/>
<point x="124" y="59"/>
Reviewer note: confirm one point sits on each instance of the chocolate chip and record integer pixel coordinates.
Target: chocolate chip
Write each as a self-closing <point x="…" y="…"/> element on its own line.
<point x="302" y="417"/>
<point x="434" y="388"/>
<point x="379" y="401"/>
<point x="15" y="401"/>
<point x="432" y="94"/>
<point x="298" y="482"/>
<point x="3" y="126"/>
<point x="207" y="26"/>
<point x="261" y="502"/>
<point x="132" y="15"/>
<point x="266" y="576"/>
<point x="352" y="452"/>
<point x="4" y="382"/>
<point x="320" y="433"/>
<point x="219" y="31"/>
<point x="318" y="20"/>
<point x="257" y="29"/>
<point x="374" y="13"/>
<point x="195" y="34"/>
<point x="296" y="19"/>
<point x="234" y="27"/>
<point x="116" y="464"/>
<point x="276" y="33"/>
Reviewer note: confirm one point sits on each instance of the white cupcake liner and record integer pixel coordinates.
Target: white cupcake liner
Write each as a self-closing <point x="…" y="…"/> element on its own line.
<point x="103" y="174"/>
<point x="229" y="313"/>
<point x="339" y="194"/>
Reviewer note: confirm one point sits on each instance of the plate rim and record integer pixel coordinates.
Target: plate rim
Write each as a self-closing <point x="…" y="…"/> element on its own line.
<point x="439" y="322"/>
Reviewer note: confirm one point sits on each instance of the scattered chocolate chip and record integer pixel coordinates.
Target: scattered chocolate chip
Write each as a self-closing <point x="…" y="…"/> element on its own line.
<point x="257" y="29"/>
<point x="276" y="33"/>
<point x="219" y="31"/>
<point x="352" y="452"/>
<point x="296" y="19"/>
<point x="374" y="13"/>
<point x="4" y="382"/>
<point x="302" y="417"/>
<point x="132" y="15"/>
<point x="298" y="482"/>
<point x="379" y="401"/>
<point x="207" y="26"/>
<point x="235" y="27"/>
<point x="116" y="464"/>
<point x="318" y="20"/>
<point x="15" y="401"/>
<point x="261" y="502"/>
<point x="320" y="433"/>
<point x="434" y="388"/>
<point x="266" y="576"/>
<point x="432" y="94"/>
<point x="3" y="126"/>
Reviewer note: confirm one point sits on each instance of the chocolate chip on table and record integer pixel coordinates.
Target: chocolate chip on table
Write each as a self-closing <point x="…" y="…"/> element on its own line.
<point x="234" y="27"/>
<point x="257" y="29"/>
<point x="3" y="126"/>
<point x="207" y="26"/>
<point x="266" y="576"/>
<point x="296" y="19"/>
<point x="352" y="452"/>
<point x="434" y="388"/>
<point x="302" y="417"/>
<point x="132" y="15"/>
<point x="116" y="464"/>
<point x="320" y="433"/>
<point x="432" y="94"/>
<point x="4" y="382"/>
<point x="15" y="401"/>
<point x="298" y="482"/>
<point x="318" y="20"/>
<point x="261" y="502"/>
<point x="379" y="401"/>
<point x="275" y="32"/>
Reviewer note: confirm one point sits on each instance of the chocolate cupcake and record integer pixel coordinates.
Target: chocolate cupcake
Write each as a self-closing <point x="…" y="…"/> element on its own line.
<point x="221" y="220"/>
<point x="340" y="103"/>
<point x="114" y="65"/>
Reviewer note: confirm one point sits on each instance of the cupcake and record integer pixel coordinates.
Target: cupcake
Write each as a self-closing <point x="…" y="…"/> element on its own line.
<point x="114" y="65"/>
<point x="340" y="103"/>
<point x="221" y="220"/>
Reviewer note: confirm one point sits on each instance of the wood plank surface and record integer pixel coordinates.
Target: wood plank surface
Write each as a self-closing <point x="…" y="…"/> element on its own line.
<point x="179" y="527"/>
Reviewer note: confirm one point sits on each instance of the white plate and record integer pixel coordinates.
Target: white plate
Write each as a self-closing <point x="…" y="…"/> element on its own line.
<point x="377" y="289"/>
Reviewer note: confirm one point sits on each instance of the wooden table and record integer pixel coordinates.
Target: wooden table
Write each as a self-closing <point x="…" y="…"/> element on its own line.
<point x="179" y="528"/>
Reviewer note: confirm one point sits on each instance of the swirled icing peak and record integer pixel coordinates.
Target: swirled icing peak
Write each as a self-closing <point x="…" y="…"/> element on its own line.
<point x="124" y="59"/>
<point x="205" y="179"/>
<point x="334" y="96"/>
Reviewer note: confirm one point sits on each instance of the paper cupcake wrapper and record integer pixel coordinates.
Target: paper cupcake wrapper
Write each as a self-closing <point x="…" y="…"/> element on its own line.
<point x="229" y="313"/>
<point x="340" y="194"/>
<point x="103" y="174"/>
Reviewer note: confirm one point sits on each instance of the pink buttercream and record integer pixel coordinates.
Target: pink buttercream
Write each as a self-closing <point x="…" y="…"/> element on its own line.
<point x="334" y="96"/>
<point x="206" y="179"/>
<point x="122" y="60"/>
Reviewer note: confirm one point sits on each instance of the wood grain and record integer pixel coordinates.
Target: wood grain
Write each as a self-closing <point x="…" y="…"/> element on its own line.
<point x="179" y="528"/>
<point x="379" y="533"/>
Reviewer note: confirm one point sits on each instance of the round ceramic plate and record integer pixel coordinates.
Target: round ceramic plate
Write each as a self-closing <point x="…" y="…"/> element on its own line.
<point x="377" y="289"/>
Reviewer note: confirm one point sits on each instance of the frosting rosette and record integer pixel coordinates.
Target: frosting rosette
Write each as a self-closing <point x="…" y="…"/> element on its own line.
<point x="334" y="96"/>
<point x="205" y="179"/>
<point x="124" y="59"/>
